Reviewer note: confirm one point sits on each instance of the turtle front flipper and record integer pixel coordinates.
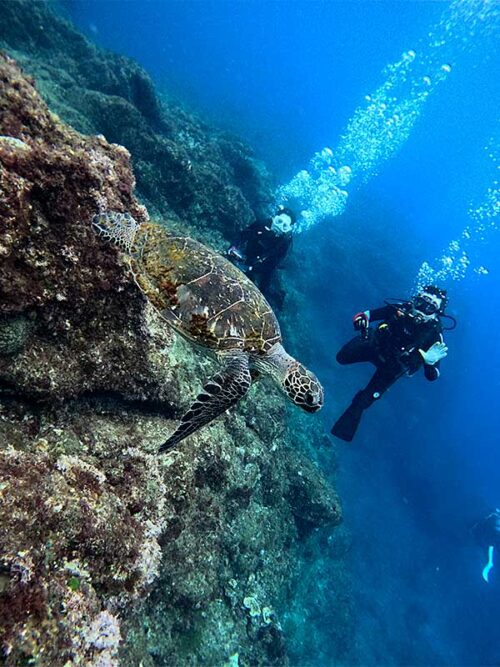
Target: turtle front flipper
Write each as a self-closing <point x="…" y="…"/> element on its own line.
<point x="219" y="394"/>
<point x="119" y="228"/>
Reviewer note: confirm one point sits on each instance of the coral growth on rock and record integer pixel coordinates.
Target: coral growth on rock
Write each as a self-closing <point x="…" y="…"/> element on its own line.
<point x="207" y="180"/>
<point x="64" y="299"/>
<point x="109" y="554"/>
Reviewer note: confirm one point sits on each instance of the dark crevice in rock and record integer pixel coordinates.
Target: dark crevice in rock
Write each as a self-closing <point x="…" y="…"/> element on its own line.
<point x="103" y="402"/>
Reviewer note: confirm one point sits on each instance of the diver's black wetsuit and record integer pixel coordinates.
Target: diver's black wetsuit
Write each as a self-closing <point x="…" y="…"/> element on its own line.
<point x="393" y="349"/>
<point x="262" y="251"/>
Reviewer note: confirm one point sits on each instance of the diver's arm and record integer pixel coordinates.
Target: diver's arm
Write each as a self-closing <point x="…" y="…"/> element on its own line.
<point x="274" y="254"/>
<point x="238" y="247"/>
<point x="361" y="320"/>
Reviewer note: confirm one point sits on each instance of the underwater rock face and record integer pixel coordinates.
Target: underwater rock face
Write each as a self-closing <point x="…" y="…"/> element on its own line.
<point x="14" y="333"/>
<point x="311" y="498"/>
<point x="73" y="533"/>
<point x="185" y="170"/>
<point x="91" y="521"/>
<point x="110" y="555"/>
<point x="67" y="306"/>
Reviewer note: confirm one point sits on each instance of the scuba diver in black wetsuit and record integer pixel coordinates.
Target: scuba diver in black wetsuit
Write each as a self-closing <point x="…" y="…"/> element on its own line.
<point x="487" y="535"/>
<point x="260" y="249"/>
<point x="410" y="335"/>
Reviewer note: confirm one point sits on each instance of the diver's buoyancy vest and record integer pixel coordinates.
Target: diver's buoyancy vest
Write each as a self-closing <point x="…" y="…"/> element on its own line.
<point x="400" y="336"/>
<point x="262" y="245"/>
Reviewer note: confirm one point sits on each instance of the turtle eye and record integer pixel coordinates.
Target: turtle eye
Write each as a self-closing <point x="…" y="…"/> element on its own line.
<point x="310" y="399"/>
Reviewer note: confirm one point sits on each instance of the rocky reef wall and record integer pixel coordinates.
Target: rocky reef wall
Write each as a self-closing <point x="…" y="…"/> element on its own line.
<point x="110" y="554"/>
<point x="207" y="181"/>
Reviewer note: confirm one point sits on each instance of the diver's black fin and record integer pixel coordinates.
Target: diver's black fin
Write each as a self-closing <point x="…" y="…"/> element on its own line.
<point x="347" y="424"/>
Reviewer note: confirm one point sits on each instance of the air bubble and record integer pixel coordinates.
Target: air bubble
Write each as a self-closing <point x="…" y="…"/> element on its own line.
<point x="383" y="122"/>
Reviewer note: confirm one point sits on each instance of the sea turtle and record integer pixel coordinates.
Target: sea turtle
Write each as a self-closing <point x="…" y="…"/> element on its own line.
<point x="215" y="306"/>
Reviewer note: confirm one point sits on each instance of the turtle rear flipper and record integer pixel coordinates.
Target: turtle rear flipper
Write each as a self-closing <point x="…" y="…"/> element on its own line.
<point x="219" y="394"/>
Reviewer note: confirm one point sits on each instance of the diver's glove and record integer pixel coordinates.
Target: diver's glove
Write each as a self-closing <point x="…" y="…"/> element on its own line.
<point x="435" y="353"/>
<point x="361" y="321"/>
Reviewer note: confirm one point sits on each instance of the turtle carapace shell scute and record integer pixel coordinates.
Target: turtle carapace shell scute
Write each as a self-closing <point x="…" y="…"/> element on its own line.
<point x="201" y="294"/>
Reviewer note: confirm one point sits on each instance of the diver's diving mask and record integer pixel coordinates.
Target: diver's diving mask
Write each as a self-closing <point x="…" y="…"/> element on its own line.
<point x="428" y="304"/>
<point x="282" y="224"/>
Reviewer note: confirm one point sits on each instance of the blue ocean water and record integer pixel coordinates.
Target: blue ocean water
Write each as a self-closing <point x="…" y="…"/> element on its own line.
<point x="288" y="77"/>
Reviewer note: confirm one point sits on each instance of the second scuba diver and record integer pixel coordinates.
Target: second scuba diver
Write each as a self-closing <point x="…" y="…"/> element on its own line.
<point x="410" y="335"/>
<point x="260" y="249"/>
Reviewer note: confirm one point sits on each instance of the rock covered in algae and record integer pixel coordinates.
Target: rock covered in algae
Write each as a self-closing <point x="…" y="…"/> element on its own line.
<point x="14" y="333"/>
<point x="72" y="534"/>
<point x="208" y="181"/>
<point x="92" y="521"/>
<point x="311" y="498"/>
<point x="109" y="555"/>
<point x="67" y="305"/>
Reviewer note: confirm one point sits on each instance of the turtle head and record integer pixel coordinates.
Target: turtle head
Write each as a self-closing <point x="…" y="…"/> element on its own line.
<point x="303" y="388"/>
<point x="298" y="384"/>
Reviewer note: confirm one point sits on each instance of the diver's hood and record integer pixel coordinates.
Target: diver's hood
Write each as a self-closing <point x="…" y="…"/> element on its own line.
<point x="427" y="303"/>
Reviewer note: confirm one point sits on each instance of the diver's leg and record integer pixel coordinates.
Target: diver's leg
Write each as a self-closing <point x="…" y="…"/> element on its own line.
<point x="346" y="426"/>
<point x="382" y="379"/>
<point x="262" y="278"/>
<point x="357" y="350"/>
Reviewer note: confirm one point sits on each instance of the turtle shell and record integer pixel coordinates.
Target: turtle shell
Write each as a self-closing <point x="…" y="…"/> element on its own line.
<point x="201" y="294"/>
